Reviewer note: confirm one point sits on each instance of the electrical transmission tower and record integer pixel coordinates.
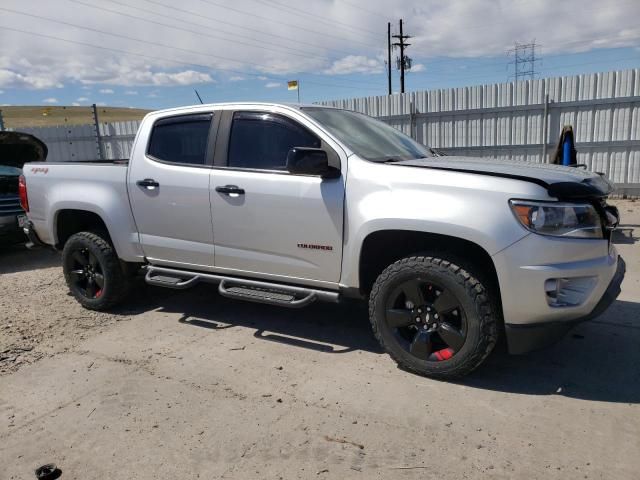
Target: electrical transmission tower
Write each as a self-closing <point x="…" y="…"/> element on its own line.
<point x="524" y="60"/>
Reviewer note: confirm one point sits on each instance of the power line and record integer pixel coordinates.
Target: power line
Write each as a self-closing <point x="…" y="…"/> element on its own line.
<point x="370" y="12"/>
<point x="326" y="20"/>
<point x="272" y="20"/>
<point x="155" y="22"/>
<point x="458" y="75"/>
<point x="61" y="22"/>
<point x="170" y="60"/>
<point x="117" y="12"/>
<point x="174" y="19"/>
<point x="501" y="63"/>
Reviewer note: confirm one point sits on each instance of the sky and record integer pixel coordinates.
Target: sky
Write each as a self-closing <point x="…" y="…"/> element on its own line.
<point x="154" y="53"/>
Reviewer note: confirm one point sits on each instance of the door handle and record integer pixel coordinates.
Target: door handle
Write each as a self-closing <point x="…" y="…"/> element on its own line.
<point x="230" y="190"/>
<point x="148" y="183"/>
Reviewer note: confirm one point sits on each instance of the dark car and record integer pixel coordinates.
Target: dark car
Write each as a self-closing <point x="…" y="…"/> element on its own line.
<point x="16" y="149"/>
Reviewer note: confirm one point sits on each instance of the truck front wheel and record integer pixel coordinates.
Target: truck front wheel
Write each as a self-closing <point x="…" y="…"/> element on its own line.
<point x="93" y="271"/>
<point x="432" y="317"/>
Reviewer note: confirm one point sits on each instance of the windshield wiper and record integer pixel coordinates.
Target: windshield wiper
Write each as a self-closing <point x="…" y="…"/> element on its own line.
<point x="390" y="160"/>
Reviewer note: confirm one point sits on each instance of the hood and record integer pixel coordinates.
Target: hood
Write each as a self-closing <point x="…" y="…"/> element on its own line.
<point x="18" y="148"/>
<point x="561" y="182"/>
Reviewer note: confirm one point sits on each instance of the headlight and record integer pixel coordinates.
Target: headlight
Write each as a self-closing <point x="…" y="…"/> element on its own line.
<point x="575" y="220"/>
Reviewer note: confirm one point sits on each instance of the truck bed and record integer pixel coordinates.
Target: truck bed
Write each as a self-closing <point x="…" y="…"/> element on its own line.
<point x="96" y="186"/>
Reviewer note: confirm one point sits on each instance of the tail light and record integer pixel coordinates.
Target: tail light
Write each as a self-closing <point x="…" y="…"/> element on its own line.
<point x="22" y="192"/>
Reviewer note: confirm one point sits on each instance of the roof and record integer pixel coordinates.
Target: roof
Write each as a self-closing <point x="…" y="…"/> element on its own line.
<point x="296" y="106"/>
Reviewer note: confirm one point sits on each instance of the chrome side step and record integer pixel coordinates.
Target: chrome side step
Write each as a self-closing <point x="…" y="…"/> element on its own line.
<point x="239" y="288"/>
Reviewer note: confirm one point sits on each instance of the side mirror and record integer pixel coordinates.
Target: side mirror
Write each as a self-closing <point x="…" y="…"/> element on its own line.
<point x="310" y="161"/>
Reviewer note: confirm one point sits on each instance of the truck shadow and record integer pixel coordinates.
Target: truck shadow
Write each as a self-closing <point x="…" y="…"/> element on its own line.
<point x="324" y="327"/>
<point x="17" y="258"/>
<point x="598" y="360"/>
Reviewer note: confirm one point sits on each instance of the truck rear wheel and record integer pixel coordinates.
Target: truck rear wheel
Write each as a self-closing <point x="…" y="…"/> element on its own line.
<point x="432" y="317"/>
<point x="93" y="271"/>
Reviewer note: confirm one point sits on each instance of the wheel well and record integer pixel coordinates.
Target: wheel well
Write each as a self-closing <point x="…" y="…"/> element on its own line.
<point x="381" y="249"/>
<point x="69" y="222"/>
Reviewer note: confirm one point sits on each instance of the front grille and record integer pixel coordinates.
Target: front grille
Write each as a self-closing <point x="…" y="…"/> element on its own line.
<point x="10" y="204"/>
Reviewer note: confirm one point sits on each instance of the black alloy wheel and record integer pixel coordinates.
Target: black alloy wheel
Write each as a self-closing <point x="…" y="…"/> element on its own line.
<point x="95" y="275"/>
<point x="433" y="317"/>
<point x="427" y="319"/>
<point x="87" y="273"/>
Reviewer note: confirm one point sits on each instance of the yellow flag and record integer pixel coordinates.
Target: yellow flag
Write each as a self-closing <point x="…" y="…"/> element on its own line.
<point x="292" y="85"/>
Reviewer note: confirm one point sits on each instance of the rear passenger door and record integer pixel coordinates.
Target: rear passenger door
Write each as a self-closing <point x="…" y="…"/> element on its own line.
<point x="267" y="222"/>
<point x="169" y="190"/>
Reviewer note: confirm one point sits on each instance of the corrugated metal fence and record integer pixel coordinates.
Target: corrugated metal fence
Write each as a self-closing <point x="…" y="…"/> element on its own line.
<point x="80" y="142"/>
<point x="513" y="120"/>
<point x="522" y="120"/>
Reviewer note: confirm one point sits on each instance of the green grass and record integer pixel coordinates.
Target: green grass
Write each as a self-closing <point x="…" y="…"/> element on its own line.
<point x="46" y="116"/>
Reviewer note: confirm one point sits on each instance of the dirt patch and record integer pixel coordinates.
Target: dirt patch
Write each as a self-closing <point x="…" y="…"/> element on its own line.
<point x="38" y="316"/>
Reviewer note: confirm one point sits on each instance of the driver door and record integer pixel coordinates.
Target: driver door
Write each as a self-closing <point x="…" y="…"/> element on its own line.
<point x="267" y="222"/>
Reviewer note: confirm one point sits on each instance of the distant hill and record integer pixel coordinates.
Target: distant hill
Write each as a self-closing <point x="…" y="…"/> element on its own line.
<point x="49" y="116"/>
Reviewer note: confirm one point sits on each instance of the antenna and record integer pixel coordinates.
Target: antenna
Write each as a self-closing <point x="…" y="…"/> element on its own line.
<point x="198" y="95"/>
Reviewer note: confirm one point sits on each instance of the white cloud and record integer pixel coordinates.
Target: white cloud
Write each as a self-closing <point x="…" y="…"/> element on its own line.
<point x="101" y="104"/>
<point x="236" y="78"/>
<point x="160" y="79"/>
<point x="273" y="85"/>
<point x="355" y="64"/>
<point x="418" y="67"/>
<point x="456" y="28"/>
<point x="131" y="92"/>
<point x="106" y="91"/>
<point x="82" y="99"/>
<point x="13" y="79"/>
<point x="75" y="104"/>
<point x="50" y="100"/>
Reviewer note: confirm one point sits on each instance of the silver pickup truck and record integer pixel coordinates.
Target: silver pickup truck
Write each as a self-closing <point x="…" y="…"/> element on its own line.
<point x="287" y="205"/>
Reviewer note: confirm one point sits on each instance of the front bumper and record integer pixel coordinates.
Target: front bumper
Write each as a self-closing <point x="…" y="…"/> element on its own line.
<point x="523" y="338"/>
<point x="9" y="231"/>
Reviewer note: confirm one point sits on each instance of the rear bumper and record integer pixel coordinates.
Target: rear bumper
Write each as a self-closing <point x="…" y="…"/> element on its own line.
<point x="523" y="338"/>
<point x="34" y="240"/>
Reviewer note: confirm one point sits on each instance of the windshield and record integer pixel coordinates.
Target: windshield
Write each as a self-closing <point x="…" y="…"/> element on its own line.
<point x="10" y="171"/>
<point x="367" y="137"/>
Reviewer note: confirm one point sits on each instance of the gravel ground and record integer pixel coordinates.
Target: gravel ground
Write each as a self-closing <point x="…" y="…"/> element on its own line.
<point x="38" y="317"/>
<point x="193" y="385"/>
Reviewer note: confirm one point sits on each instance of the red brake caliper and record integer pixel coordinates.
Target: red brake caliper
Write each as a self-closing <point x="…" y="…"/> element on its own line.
<point x="444" y="354"/>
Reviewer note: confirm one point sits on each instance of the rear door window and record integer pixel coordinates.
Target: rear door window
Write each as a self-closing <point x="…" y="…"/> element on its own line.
<point x="182" y="140"/>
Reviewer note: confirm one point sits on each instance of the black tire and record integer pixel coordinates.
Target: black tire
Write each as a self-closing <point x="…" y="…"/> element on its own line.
<point x="103" y="282"/>
<point x="442" y="281"/>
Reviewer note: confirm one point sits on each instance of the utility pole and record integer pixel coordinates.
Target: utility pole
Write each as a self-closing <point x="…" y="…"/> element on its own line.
<point x="404" y="62"/>
<point x="389" y="55"/>
<point x="524" y="60"/>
